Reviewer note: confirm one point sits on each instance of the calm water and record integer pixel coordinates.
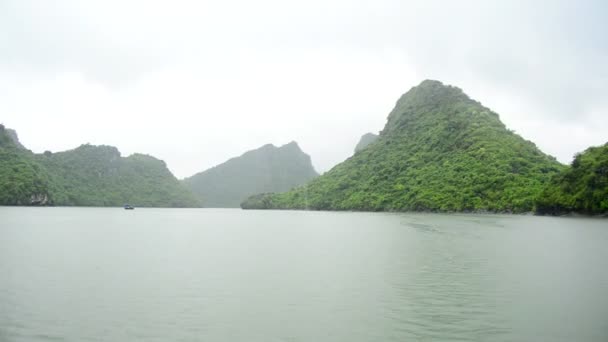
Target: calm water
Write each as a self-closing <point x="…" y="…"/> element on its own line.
<point x="231" y="275"/>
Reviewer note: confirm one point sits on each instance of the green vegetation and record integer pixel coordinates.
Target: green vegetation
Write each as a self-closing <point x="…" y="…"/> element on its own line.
<point x="23" y="181"/>
<point x="86" y="176"/>
<point x="266" y="169"/>
<point x="98" y="176"/>
<point x="365" y="140"/>
<point x="439" y="151"/>
<point x="582" y="188"/>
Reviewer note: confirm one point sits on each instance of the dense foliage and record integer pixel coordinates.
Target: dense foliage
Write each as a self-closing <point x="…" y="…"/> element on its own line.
<point x="439" y="151"/>
<point x="266" y="169"/>
<point x="86" y="176"/>
<point x="98" y="176"/>
<point x="582" y="188"/>
<point x="23" y="181"/>
<point x="365" y="140"/>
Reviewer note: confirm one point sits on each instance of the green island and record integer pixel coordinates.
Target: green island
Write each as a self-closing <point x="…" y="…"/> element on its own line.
<point x="442" y="151"/>
<point x="86" y="176"/>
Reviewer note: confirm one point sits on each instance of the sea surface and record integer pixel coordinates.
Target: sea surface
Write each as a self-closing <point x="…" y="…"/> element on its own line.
<point x="106" y="274"/>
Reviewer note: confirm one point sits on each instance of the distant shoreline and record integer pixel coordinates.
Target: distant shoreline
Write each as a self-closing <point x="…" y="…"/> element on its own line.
<point x="478" y="212"/>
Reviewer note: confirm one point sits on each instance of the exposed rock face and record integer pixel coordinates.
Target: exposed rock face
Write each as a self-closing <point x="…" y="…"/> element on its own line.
<point x="13" y="135"/>
<point x="365" y="140"/>
<point x="39" y="199"/>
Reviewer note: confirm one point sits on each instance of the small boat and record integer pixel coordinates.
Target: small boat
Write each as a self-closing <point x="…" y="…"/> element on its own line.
<point x="128" y="207"/>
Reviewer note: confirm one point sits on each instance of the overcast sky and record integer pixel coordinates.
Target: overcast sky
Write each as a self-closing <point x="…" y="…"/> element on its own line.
<point x="195" y="83"/>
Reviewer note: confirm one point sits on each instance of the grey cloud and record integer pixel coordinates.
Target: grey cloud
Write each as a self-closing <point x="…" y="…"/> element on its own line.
<point x="547" y="55"/>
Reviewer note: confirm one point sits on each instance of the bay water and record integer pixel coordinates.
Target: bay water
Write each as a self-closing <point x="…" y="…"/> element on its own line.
<point x="106" y="274"/>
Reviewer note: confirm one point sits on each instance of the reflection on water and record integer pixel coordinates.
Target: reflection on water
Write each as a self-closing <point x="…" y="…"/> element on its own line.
<point x="76" y="274"/>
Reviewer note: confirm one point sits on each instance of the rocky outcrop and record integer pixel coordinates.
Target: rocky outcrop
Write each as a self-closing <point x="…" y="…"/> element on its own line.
<point x="365" y="140"/>
<point x="39" y="199"/>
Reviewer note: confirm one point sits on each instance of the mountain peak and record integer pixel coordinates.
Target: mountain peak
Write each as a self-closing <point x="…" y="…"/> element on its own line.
<point x="264" y="147"/>
<point x="429" y="98"/>
<point x="266" y="169"/>
<point x="100" y="151"/>
<point x="291" y="145"/>
<point x="431" y="83"/>
<point x="434" y="85"/>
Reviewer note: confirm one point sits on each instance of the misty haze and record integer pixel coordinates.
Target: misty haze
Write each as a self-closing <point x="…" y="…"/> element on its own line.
<point x="315" y="171"/>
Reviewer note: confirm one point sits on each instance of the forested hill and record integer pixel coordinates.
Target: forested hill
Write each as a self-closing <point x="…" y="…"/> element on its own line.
<point x="439" y="151"/>
<point x="23" y="181"/>
<point x="86" y="176"/>
<point x="98" y="176"/>
<point x="582" y="188"/>
<point x="266" y="169"/>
